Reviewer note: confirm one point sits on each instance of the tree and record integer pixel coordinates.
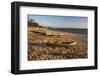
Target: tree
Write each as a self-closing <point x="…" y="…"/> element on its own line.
<point x="32" y="22"/>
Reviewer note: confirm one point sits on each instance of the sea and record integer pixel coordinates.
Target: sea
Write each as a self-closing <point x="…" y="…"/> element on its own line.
<point x="72" y="30"/>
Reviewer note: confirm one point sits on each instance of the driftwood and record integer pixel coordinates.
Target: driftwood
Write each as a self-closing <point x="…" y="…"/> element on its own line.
<point x="47" y="33"/>
<point x="53" y="44"/>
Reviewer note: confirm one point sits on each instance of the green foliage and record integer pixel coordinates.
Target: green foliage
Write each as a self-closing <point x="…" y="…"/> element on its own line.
<point x="32" y="22"/>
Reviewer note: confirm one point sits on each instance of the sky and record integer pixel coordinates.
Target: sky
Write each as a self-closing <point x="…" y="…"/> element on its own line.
<point x="60" y="21"/>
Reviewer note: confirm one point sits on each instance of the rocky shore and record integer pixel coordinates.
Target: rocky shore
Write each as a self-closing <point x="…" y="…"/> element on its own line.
<point x="45" y="44"/>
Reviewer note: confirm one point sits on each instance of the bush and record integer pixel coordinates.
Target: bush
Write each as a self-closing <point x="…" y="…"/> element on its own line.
<point x="32" y="22"/>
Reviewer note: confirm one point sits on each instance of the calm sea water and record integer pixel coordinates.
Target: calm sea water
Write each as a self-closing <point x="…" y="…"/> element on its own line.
<point x="71" y="30"/>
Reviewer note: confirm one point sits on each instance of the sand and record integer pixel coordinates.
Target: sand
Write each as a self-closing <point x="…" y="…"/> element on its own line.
<point x="38" y="50"/>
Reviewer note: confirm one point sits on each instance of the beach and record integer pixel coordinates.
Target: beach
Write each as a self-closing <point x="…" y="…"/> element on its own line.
<point x="46" y="44"/>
